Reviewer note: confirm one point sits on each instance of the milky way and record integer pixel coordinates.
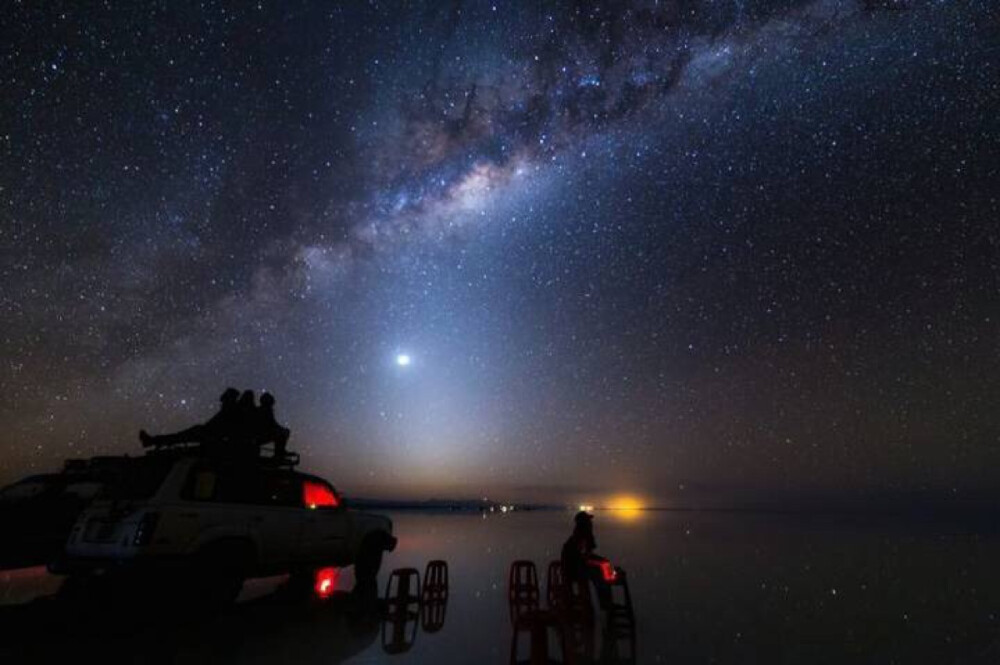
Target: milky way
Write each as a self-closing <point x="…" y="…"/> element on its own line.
<point x="705" y="252"/>
<point x="586" y="73"/>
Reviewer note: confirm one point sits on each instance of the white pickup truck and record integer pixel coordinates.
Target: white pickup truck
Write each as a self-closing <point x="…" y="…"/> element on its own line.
<point x="220" y="522"/>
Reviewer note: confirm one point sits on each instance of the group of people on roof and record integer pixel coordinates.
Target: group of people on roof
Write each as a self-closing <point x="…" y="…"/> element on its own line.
<point x="241" y="423"/>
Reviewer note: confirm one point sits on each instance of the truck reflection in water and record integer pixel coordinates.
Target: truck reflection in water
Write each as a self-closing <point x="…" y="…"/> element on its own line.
<point x="128" y="620"/>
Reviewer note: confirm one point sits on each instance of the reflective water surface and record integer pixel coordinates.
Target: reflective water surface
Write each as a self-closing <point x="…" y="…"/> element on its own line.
<point x="705" y="587"/>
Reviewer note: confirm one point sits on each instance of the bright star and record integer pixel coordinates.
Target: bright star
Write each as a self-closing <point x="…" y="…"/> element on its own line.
<point x="403" y="360"/>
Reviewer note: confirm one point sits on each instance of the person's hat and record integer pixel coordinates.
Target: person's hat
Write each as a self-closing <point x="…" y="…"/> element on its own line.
<point x="229" y="394"/>
<point x="583" y="517"/>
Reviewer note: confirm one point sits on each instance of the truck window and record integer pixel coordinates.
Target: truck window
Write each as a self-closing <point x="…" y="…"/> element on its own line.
<point x="282" y="489"/>
<point x="23" y="490"/>
<point x="84" y="490"/>
<point x="242" y="485"/>
<point x="139" y="479"/>
<point x="203" y="485"/>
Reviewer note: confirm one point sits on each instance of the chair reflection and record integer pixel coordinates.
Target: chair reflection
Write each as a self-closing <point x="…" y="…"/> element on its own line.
<point x="540" y="625"/>
<point x="402" y="603"/>
<point x="576" y="608"/>
<point x="434" y="598"/>
<point x="571" y="616"/>
<point x="409" y="605"/>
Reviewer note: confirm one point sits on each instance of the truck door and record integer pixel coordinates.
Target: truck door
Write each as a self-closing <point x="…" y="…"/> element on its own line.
<point x="325" y="533"/>
<point x="276" y="518"/>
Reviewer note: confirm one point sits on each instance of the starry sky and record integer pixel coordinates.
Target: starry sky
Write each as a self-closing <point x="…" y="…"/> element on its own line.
<point x="703" y="252"/>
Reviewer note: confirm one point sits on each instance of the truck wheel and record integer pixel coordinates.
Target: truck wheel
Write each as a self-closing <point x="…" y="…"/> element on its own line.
<point x="369" y="557"/>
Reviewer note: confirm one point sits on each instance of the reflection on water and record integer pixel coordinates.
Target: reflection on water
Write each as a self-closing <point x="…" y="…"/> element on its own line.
<point x="434" y="597"/>
<point x="625" y="508"/>
<point x="402" y="613"/>
<point x="722" y="588"/>
<point x="406" y="602"/>
<point x="570" y="626"/>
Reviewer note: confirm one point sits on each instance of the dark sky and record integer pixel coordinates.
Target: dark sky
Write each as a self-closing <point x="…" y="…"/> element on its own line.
<point x="697" y="251"/>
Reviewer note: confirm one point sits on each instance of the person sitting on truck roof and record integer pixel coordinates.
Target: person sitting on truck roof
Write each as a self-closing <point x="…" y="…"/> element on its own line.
<point x="267" y="429"/>
<point x="246" y="417"/>
<point x="221" y="427"/>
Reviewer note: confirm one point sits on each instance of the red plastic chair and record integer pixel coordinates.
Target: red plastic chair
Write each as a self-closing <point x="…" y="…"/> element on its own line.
<point x="618" y="638"/>
<point x="522" y="589"/>
<point x="554" y="585"/>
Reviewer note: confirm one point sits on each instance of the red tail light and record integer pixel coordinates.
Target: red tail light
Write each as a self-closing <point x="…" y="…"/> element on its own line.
<point x="326" y="582"/>
<point x="147" y="526"/>
<point x="318" y="495"/>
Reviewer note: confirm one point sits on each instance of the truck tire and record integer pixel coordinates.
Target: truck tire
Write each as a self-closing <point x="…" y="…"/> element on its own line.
<point x="370" y="556"/>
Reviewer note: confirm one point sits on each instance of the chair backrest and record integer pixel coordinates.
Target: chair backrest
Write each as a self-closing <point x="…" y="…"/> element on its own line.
<point x="434" y="596"/>
<point x="554" y="584"/>
<point x="435" y="581"/>
<point x="522" y="588"/>
<point x="621" y="597"/>
<point x="407" y="587"/>
<point x="618" y="638"/>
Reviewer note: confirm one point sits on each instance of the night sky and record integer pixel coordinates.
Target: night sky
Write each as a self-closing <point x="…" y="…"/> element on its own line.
<point x="701" y="252"/>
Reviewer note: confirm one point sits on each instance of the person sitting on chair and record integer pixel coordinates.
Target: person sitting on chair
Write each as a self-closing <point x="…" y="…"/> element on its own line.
<point x="580" y="562"/>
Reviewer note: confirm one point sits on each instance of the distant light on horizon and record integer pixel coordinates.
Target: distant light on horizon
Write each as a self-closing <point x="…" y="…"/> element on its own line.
<point x="626" y="507"/>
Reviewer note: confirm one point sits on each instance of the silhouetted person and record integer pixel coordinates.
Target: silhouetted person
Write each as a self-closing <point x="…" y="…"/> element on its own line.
<point x="267" y="429"/>
<point x="220" y="427"/>
<point x="579" y="559"/>
<point x="246" y="409"/>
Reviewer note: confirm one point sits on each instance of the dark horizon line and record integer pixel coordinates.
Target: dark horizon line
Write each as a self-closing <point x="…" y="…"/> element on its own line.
<point x="879" y="507"/>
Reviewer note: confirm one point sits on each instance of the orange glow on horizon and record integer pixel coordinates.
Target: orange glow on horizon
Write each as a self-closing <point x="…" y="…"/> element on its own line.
<point x="626" y="507"/>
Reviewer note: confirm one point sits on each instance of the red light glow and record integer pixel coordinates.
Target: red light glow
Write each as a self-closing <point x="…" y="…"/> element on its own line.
<point x="318" y="495"/>
<point x="326" y="582"/>
<point x="608" y="571"/>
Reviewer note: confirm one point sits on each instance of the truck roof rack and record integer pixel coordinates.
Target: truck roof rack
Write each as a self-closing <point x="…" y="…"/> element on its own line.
<point x="101" y="465"/>
<point x="289" y="460"/>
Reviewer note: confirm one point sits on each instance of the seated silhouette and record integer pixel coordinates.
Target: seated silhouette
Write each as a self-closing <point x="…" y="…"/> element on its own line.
<point x="266" y="428"/>
<point x="220" y="427"/>
<point x="580" y="562"/>
<point x="240" y="423"/>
